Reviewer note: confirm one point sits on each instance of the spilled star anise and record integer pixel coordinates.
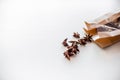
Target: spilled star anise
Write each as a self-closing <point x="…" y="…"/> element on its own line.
<point x="65" y="42"/>
<point x="73" y="49"/>
<point x="76" y="35"/>
<point x="82" y="41"/>
<point x="88" y="38"/>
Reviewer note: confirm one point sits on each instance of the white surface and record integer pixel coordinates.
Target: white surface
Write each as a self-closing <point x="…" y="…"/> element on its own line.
<point x="31" y="32"/>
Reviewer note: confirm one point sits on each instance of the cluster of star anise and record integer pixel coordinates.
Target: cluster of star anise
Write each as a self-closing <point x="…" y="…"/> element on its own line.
<point x="73" y="46"/>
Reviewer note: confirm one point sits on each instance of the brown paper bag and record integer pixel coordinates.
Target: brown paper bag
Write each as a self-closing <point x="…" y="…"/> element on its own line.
<point x="105" y="31"/>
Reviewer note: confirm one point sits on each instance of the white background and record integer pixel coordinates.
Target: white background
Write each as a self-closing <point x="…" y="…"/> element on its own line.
<point x="31" y="32"/>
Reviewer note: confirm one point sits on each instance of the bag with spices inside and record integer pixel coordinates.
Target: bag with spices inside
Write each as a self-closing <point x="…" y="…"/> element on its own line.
<point x="105" y="30"/>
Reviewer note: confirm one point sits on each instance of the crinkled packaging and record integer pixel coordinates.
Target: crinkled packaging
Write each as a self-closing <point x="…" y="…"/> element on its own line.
<point x="105" y="30"/>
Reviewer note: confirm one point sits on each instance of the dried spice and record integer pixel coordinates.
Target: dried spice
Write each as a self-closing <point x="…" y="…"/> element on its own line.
<point x="65" y="42"/>
<point x="103" y="29"/>
<point x="114" y="24"/>
<point x="66" y="54"/>
<point x="76" y="35"/>
<point x="88" y="38"/>
<point x="111" y="24"/>
<point x="73" y="49"/>
<point x="82" y="41"/>
<point x="74" y="42"/>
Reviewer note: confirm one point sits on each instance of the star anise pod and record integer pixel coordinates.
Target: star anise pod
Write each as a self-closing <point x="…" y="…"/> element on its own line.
<point x="74" y="42"/>
<point x="76" y="35"/>
<point x="88" y="38"/>
<point x="75" y="46"/>
<point x="65" y="43"/>
<point x="113" y="24"/>
<point x="69" y="53"/>
<point x="82" y="41"/>
<point x="70" y="48"/>
<point x="66" y="54"/>
<point x="73" y="49"/>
